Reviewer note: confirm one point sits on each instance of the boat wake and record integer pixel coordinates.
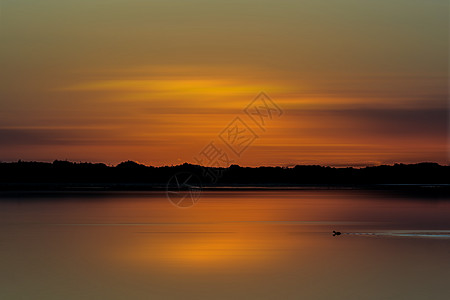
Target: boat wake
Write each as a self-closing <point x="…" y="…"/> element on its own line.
<point x="443" y="234"/>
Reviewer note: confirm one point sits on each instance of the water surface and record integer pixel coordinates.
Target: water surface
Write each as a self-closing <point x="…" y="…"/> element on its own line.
<point x="232" y="244"/>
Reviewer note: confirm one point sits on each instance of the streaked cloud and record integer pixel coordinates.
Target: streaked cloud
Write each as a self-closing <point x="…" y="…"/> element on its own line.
<point x="155" y="81"/>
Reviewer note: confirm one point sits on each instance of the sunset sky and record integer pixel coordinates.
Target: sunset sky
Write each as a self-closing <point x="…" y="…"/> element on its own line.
<point x="357" y="82"/>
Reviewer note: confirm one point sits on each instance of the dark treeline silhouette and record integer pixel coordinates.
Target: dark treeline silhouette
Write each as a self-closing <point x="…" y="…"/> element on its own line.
<point x="17" y="175"/>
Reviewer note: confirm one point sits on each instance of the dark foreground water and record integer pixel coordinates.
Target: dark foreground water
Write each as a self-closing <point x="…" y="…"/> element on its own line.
<point x="231" y="245"/>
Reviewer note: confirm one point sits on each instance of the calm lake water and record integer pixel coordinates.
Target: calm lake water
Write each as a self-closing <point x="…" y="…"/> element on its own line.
<point x="231" y="245"/>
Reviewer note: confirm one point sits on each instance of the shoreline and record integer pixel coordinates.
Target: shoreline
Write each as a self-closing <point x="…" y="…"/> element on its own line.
<point x="17" y="187"/>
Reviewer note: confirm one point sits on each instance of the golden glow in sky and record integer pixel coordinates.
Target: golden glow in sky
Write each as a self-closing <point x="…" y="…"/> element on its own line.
<point x="359" y="82"/>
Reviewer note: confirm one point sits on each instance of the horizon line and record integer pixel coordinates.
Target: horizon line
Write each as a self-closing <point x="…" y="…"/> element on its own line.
<point x="287" y="166"/>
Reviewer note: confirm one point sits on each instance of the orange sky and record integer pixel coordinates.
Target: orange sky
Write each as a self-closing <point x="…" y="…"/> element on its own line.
<point x="156" y="81"/>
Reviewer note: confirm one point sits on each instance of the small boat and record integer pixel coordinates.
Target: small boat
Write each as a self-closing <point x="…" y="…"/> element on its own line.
<point x="336" y="233"/>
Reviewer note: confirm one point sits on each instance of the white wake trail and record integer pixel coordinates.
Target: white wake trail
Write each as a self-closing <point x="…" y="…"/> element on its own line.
<point x="445" y="234"/>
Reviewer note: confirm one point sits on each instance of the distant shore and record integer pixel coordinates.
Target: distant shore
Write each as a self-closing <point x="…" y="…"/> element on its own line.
<point x="131" y="176"/>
